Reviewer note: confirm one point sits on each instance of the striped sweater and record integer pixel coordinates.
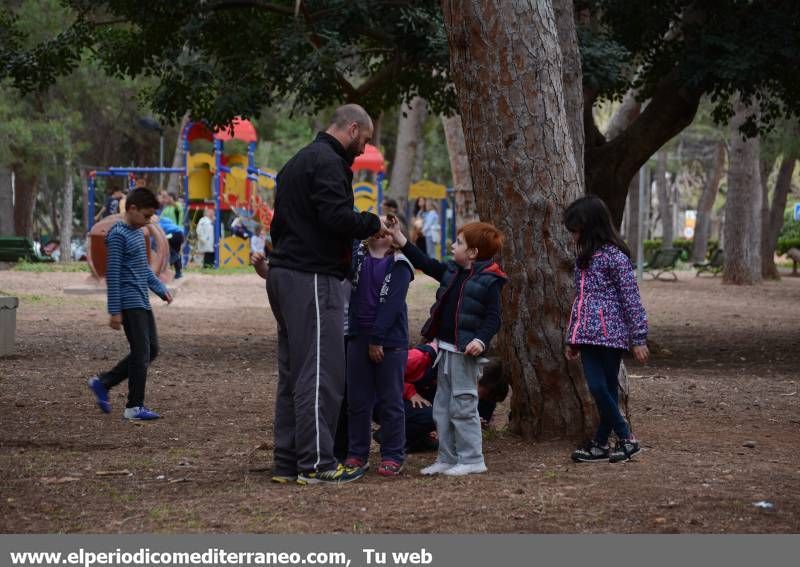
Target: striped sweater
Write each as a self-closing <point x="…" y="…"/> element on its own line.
<point x="129" y="276"/>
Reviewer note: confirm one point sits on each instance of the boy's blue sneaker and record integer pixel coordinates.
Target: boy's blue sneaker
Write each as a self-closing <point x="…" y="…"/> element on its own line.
<point x="100" y="393"/>
<point x="140" y="414"/>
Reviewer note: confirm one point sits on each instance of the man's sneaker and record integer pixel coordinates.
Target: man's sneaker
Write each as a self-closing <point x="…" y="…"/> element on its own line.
<point x="100" y="393"/>
<point x="466" y="468"/>
<point x="437" y="468"/>
<point x="339" y="475"/>
<point x="624" y="450"/>
<point x="283" y="479"/>
<point x="590" y="453"/>
<point x="140" y="413"/>
<point x="389" y="467"/>
<point x="356" y="463"/>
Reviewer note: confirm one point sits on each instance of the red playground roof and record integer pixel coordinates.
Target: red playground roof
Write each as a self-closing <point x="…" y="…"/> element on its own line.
<point x="242" y="130"/>
<point x="371" y="160"/>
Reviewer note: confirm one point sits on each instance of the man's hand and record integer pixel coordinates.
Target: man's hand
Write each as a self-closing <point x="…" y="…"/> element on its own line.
<point x="474" y="348"/>
<point x="418" y="401"/>
<point x="259" y="262"/>
<point x="571" y="352"/>
<point x="116" y="322"/>
<point x="641" y="353"/>
<point x="168" y="297"/>
<point x="376" y="353"/>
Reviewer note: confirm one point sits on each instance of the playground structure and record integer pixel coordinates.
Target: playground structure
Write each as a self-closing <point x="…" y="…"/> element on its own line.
<point x="224" y="181"/>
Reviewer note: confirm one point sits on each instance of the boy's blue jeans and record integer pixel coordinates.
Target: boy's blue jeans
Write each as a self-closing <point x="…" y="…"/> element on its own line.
<point x="601" y="368"/>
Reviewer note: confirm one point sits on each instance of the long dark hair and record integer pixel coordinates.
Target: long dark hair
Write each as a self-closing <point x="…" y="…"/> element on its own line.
<point x="590" y="218"/>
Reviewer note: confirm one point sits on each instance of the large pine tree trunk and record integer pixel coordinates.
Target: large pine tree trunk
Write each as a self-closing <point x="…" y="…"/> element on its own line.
<point x="6" y="202"/>
<point x="664" y="202"/>
<point x="572" y="78"/>
<point x="459" y="167"/>
<point x="66" y="211"/>
<point x="507" y="67"/>
<point x="24" y="201"/>
<point x="743" y="206"/>
<point x="702" y="225"/>
<point x="409" y="134"/>
<point x="773" y="216"/>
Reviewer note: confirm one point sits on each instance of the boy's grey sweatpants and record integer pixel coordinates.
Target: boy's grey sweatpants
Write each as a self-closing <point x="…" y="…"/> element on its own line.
<point x="309" y="309"/>
<point x="455" y="409"/>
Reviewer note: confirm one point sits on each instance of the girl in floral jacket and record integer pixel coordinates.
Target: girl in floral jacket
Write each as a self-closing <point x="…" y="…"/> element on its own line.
<point x="607" y="319"/>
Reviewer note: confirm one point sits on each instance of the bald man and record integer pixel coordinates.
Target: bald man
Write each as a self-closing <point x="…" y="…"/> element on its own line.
<point x="312" y="235"/>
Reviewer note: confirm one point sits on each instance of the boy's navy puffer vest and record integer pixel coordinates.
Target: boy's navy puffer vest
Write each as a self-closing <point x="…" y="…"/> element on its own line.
<point x="471" y="301"/>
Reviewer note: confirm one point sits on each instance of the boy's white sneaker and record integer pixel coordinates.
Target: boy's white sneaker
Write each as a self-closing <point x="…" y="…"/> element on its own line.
<point x="437" y="468"/>
<point x="463" y="469"/>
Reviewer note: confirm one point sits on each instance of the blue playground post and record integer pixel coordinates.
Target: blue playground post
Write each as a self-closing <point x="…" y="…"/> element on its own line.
<point x="443" y="230"/>
<point x="186" y="220"/>
<point x="217" y="194"/>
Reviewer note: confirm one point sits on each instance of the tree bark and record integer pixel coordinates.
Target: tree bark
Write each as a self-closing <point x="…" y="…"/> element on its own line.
<point x="24" y="201"/>
<point x="743" y="207"/>
<point x="632" y="230"/>
<point x="84" y="200"/>
<point x="572" y="78"/>
<point x="664" y="202"/>
<point x="66" y="210"/>
<point x="418" y="171"/>
<point x="6" y="203"/>
<point x="774" y="217"/>
<point x="507" y="67"/>
<point x="702" y="225"/>
<point x="459" y="167"/>
<point x="177" y="159"/>
<point x="409" y="133"/>
<point x="627" y="112"/>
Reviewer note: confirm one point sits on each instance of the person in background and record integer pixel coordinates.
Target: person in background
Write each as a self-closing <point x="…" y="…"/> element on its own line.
<point x="205" y="237"/>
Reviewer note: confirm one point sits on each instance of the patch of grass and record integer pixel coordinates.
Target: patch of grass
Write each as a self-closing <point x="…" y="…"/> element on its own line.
<point x="237" y="271"/>
<point x="23" y="266"/>
<point x="160" y="512"/>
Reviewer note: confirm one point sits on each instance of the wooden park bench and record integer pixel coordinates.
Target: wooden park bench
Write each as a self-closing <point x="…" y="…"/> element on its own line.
<point x="663" y="262"/>
<point x="15" y="248"/>
<point x="714" y="264"/>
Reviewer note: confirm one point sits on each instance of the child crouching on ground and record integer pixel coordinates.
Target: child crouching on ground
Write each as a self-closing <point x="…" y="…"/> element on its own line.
<point x="376" y="352"/>
<point x="464" y="318"/>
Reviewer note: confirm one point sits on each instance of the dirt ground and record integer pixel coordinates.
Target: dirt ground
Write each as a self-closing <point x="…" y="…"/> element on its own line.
<point x="717" y="411"/>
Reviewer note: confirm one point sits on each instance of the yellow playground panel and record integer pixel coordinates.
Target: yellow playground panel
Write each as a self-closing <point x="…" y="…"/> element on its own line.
<point x="236" y="180"/>
<point x="366" y="197"/>
<point x="427" y="190"/>
<point x="234" y="252"/>
<point x="200" y="167"/>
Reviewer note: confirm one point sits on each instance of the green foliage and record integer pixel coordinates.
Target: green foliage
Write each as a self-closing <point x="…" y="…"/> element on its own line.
<point x="222" y="59"/>
<point x="717" y="47"/>
<point x="789" y="237"/>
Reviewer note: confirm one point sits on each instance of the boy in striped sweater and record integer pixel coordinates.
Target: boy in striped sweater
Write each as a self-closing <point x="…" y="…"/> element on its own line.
<point x="128" y="279"/>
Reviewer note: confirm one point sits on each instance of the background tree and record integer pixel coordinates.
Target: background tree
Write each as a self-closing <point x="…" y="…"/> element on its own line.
<point x="743" y="205"/>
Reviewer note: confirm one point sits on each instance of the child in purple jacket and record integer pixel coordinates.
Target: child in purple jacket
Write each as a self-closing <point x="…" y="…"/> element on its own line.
<point x="377" y="346"/>
<point x="607" y="319"/>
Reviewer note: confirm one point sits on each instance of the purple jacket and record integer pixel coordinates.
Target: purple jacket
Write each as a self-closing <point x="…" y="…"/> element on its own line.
<point x="608" y="310"/>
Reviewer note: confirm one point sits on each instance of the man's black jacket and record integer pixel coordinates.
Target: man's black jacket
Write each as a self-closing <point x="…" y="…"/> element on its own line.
<point x="314" y="224"/>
